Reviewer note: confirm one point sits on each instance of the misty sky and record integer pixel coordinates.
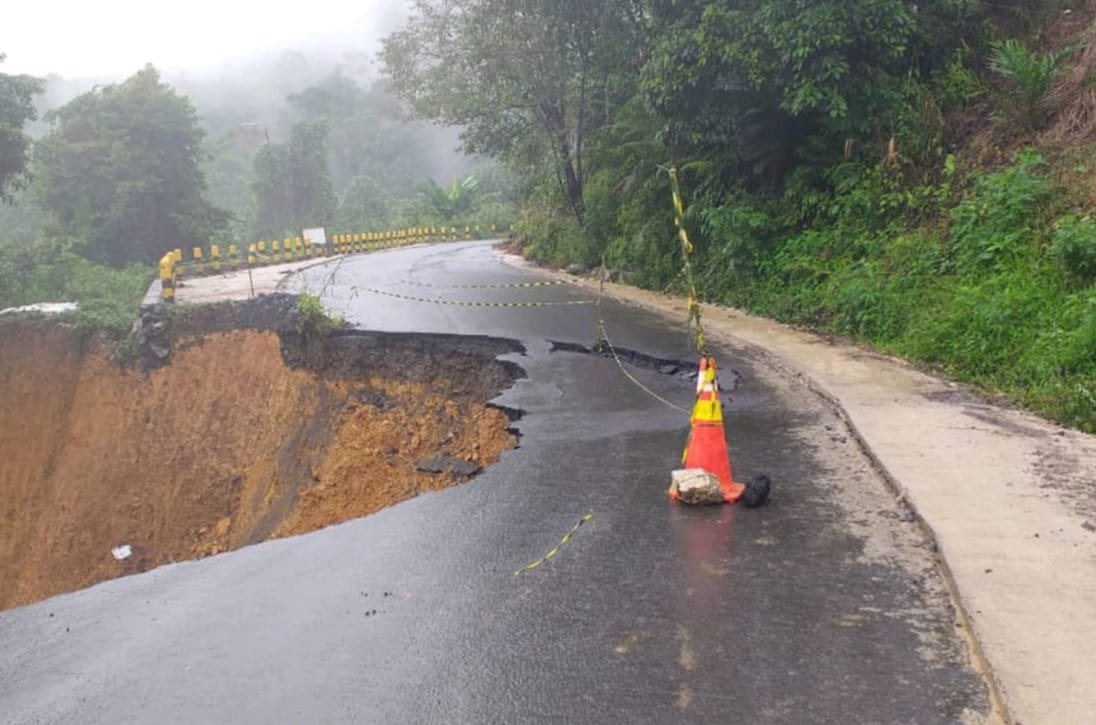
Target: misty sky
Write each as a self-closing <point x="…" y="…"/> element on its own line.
<point x="79" y="38"/>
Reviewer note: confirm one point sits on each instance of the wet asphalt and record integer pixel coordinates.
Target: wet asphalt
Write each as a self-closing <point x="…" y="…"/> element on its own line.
<point x="823" y="606"/>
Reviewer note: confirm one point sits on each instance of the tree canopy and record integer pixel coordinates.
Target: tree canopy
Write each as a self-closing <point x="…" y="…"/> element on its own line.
<point x="120" y="171"/>
<point x="525" y="78"/>
<point x="16" y="109"/>
<point x="291" y="183"/>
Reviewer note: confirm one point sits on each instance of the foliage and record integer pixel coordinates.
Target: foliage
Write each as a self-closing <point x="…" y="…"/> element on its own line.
<point x="226" y="165"/>
<point x="120" y="172"/>
<point x="311" y="316"/>
<point x="108" y="297"/>
<point x="1073" y="245"/>
<point x="369" y="135"/>
<point x="1001" y="215"/>
<point x="291" y="184"/>
<point x="525" y="78"/>
<point x="449" y="204"/>
<point x="16" y="109"/>
<point x="366" y="205"/>
<point x="1028" y="77"/>
<point x="22" y="219"/>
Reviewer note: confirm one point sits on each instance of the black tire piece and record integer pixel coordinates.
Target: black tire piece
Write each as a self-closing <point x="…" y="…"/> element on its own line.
<point x="757" y="491"/>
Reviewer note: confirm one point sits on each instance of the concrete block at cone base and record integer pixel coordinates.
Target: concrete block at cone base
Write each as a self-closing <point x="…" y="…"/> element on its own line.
<point x="696" y="486"/>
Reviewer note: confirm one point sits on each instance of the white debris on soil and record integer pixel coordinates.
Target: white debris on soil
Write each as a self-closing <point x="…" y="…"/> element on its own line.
<point x="45" y="308"/>
<point x="696" y="486"/>
<point x="123" y="552"/>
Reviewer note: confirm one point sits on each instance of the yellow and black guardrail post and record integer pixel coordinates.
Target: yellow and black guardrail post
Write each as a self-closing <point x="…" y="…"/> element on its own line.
<point x="167" y="277"/>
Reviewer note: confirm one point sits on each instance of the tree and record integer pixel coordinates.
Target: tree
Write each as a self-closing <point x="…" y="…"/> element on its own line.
<point x="291" y="184"/>
<point x="454" y="202"/>
<point x="16" y="109"/>
<point x="366" y="205"/>
<point x="758" y="83"/>
<point x="369" y="134"/>
<point x="518" y="74"/>
<point x="120" y="171"/>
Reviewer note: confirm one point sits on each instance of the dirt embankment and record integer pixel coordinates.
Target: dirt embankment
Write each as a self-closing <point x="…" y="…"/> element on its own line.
<point x="245" y="435"/>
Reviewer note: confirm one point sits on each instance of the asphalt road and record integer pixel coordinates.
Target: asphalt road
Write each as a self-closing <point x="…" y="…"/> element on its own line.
<point x="823" y="606"/>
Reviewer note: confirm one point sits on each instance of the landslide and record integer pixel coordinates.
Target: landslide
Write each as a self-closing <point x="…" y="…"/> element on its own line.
<point x="242" y="436"/>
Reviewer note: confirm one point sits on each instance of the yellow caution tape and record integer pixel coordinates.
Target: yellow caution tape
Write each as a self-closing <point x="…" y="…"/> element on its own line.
<point x="629" y="376"/>
<point x="553" y="552"/>
<point x="687" y="267"/>
<point x="505" y="285"/>
<point x="461" y="303"/>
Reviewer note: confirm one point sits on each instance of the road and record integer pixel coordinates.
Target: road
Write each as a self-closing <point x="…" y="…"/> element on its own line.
<point x="823" y="606"/>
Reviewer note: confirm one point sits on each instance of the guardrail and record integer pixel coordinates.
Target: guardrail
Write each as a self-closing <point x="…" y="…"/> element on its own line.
<point x="173" y="266"/>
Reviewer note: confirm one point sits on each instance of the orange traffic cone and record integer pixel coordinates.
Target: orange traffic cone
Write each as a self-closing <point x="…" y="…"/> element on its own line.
<point x="707" y="446"/>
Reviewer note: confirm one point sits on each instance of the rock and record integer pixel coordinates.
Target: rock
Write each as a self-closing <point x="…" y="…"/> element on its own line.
<point x="455" y="467"/>
<point x="375" y="399"/>
<point x="576" y="269"/>
<point x="159" y="349"/>
<point x="757" y="492"/>
<point x="696" y="486"/>
<point x="464" y="469"/>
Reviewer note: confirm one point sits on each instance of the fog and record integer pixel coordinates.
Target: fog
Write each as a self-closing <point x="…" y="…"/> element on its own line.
<point x="238" y="63"/>
<point x="108" y="40"/>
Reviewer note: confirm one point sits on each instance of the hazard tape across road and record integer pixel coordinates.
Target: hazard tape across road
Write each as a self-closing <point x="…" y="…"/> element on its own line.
<point x="462" y="303"/>
<point x="501" y="285"/>
<point x="530" y="567"/>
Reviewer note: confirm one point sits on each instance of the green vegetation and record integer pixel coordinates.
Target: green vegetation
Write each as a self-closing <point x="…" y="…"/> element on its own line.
<point x="841" y="159"/>
<point x="16" y="110"/>
<point x="291" y="184"/>
<point x="119" y="171"/>
<point x="124" y="171"/>
<point x="108" y="297"/>
<point x="312" y="318"/>
<point x="916" y="177"/>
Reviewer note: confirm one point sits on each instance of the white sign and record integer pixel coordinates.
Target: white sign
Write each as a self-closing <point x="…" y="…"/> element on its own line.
<point x="315" y="236"/>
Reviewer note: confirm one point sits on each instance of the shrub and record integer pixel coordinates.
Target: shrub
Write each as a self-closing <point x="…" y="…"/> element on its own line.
<point x="1001" y="215"/>
<point x="1028" y="77"/>
<point x="1073" y="245"/>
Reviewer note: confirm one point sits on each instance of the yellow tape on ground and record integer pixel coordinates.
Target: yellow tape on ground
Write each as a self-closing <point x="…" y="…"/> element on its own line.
<point x="553" y="552"/>
<point x="461" y="303"/>
<point x="501" y="285"/>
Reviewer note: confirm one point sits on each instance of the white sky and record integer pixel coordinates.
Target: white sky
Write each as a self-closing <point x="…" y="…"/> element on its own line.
<point x="80" y="38"/>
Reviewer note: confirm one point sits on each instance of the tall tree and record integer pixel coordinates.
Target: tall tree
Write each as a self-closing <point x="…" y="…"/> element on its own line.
<point x="366" y="205"/>
<point x="369" y="134"/>
<point x="291" y="184"/>
<point x="120" y="171"/>
<point x="16" y="109"/>
<point x="517" y="74"/>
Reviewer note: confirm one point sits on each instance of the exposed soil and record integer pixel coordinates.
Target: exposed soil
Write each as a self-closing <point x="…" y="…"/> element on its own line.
<point x="243" y="436"/>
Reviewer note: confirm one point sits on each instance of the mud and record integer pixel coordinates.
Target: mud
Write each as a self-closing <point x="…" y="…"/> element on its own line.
<point x="244" y="435"/>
